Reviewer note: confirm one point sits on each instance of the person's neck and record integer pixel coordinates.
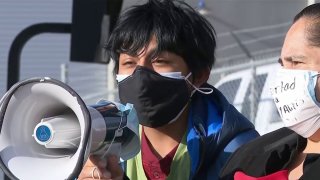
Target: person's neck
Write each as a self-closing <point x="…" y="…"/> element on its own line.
<point x="312" y="147"/>
<point x="313" y="143"/>
<point x="163" y="139"/>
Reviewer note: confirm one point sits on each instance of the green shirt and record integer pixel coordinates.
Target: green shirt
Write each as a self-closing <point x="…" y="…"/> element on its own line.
<point x="180" y="166"/>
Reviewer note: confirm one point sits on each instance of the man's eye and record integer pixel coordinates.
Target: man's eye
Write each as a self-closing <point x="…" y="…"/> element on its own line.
<point x="160" y="61"/>
<point x="296" y="62"/>
<point x="128" y="63"/>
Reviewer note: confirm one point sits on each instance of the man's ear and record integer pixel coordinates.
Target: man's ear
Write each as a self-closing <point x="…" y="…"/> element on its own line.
<point x="201" y="77"/>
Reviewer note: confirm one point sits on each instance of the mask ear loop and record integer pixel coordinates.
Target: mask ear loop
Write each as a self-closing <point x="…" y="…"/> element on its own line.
<point x="202" y="90"/>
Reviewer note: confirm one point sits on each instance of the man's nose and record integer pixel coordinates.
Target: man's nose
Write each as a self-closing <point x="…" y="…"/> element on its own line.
<point x="145" y="63"/>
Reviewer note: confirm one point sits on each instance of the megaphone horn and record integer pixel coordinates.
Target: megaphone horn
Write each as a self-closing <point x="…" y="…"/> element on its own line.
<point x="47" y="131"/>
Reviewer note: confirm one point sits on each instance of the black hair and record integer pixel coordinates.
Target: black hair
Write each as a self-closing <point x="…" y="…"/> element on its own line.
<point x="178" y="28"/>
<point x="312" y="13"/>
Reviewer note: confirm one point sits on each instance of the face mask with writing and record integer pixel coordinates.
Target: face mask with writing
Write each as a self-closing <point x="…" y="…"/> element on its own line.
<point x="294" y="95"/>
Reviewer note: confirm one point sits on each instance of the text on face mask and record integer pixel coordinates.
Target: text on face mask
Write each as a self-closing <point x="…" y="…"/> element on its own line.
<point x="281" y="90"/>
<point x="284" y="86"/>
<point x="288" y="108"/>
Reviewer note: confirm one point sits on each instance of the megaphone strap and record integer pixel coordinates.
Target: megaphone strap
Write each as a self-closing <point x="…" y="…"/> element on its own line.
<point x="114" y="137"/>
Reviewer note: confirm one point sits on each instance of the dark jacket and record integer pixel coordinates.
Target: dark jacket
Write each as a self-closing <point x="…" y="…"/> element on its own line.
<point x="271" y="153"/>
<point x="216" y="129"/>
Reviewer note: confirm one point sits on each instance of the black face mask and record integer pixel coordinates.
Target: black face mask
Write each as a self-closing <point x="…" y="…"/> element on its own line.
<point x="157" y="99"/>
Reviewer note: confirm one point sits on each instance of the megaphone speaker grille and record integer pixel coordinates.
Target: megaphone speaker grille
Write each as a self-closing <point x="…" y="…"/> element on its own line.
<point x="23" y="108"/>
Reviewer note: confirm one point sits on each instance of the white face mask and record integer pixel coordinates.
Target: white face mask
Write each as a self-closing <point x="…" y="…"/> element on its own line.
<point x="294" y="95"/>
<point x="174" y="75"/>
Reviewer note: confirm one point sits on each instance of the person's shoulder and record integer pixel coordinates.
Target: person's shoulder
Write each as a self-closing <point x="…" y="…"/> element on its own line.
<point x="269" y="142"/>
<point x="255" y="156"/>
<point x="240" y="139"/>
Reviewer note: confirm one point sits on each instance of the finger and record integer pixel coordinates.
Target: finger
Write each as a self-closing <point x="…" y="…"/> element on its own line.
<point x="92" y="161"/>
<point x="86" y="173"/>
<point x="95" y="173"/>
<point x="95" y="159"/>
<point x="100" y="173"/>
<point x="101" y="164"/>
<point x="93" y="168"/>
<point x="114" y="166"/>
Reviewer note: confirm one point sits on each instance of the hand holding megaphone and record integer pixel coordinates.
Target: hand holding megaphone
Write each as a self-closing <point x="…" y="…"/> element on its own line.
<point x="104" y="169"/>
<point x="47" y="131"/>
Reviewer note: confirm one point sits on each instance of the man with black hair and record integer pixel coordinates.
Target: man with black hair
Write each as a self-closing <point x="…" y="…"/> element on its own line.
<point x="163" y="52"/>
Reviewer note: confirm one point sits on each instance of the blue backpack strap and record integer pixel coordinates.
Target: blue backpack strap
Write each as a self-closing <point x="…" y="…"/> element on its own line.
<point x="225" y="154"/>
<point x="241" y="139"/>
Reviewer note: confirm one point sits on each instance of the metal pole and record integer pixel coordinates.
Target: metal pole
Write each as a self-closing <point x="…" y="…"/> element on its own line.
<point x="64" y="69"/>
<point x="111" y="85"/>
<point x="253" y="78"/>
<point x="22" y="38"/>
<point x="253" y="108"/>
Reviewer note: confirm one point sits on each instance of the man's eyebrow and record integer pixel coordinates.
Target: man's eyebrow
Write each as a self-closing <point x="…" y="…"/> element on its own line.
<point x="152" y="54"/>
<point x="295" y="57"/>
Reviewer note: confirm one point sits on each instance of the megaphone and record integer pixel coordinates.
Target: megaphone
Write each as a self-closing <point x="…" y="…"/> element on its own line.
<point x="47" y="131"/>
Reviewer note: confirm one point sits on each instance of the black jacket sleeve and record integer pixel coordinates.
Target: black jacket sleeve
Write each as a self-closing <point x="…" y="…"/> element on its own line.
<point x="265" y="155"/>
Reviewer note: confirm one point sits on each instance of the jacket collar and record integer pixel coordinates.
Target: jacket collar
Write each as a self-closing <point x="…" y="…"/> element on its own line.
<point x="213" y="123"/>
